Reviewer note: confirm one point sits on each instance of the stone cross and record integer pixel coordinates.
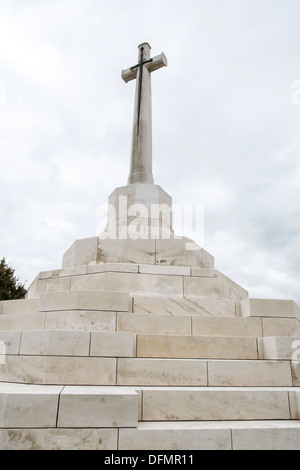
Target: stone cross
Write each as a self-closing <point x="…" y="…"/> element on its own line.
<point x="141" y="147"/>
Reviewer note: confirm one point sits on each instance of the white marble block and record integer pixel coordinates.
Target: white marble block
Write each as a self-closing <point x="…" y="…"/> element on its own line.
<point x="176" y="436"/>
<point x="182" y="252"/>
<point x="274" y="308"/>
<point x="19" y="306"/>
<point x="136" y="201"/>
<point x="10" y="342"/>
<point x="183" y="306"/>
<point x="80" y="320"/>
<point x="214" y="403"/>
<point x="201" y="347"/>
<point x="108" y="407"/>
<point x="55" y="343"/>
<point x="85" y="300"/>
<point x="281" y="347"/>
<point x="162" y="372"/>
<point x="265" y="435"/>
<point x="249" y="373"/>
<point x="28" y="406"/>
<point x="18" y="321"/>
<point x="226" y="326"/>
<point x="113" y="344"/>
<point x="81" y="252"/>
<point x="64" y="370"/>
<point x="59" y="439"/>
<point x="168" y="252"/>
<point x="153" y="324"/>
<point x="281" y="326"/>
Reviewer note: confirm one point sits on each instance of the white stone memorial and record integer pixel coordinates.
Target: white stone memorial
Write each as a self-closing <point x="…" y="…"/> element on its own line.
<point x="138" y="342"/>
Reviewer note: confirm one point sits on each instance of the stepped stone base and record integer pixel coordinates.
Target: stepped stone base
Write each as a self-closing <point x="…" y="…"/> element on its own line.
<point x="151" y="356"/>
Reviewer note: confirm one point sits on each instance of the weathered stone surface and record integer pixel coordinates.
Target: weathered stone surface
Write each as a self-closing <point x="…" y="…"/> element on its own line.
<point x="55" y="343"/>
<point x="80" y="320"/>
<point x="113" y="267"/>
<point x="176" y="436"/>
<point x="277" y="347"/>
<point x="274" y="308"/>
<point x="11" y="341"/>
<point x="196" y="347"/>
<point x="294" y="396"/>
<point x="214" y="403"/>
<point x="18" y="321"/>
<point x="153" y="324"/>
<point x="295" y="366"/>
<point x="169" y="251"/>
<point x="265" y="435"/>
<point x="126" y="251"/>
<point x="249" y="373"/>
<point x="137" y="201"/>
<point x="129" y="282"/>
<point x="81" y="252"/>
<point x="218" y="288"/>
<point x="58" y="439"/>
<point x="113" y="344"/>
<point x="204" y="272"/>
<point x="37" y="288"/>
<point x="62" y="370"/>
<point x="109" y="407"/>
<point x="184" y="306"/>
<point x="281" y="326"/>
<point x="30" y="406"/>
<point x="162" y="372"/>
<point x="167" y="270"/>
<point x="85" y="300"/>
<point x="24" y="306"/>
<point x="58" y="284"/>
<point x="177" y="252"/>
<point x="226" y="326"/>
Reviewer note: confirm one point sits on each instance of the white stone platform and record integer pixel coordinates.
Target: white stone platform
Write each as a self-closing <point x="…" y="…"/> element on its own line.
<point x="146" y="356"/>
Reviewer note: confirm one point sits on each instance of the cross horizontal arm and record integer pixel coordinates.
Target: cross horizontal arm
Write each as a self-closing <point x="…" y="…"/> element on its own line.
<point x="129" y="74"/>
<point x="156" y="63"/>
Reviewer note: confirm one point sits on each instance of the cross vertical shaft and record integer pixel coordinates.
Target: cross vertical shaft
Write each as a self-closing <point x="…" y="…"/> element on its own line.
<point x="141" y="146"/>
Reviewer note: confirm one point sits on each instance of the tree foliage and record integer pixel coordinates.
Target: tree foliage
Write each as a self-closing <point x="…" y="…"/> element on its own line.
<point x="10" y="287"/>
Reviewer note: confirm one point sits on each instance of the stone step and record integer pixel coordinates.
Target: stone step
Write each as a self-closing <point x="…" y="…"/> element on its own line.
<point x="84" y="300"/>
<point x="124" y="344"/>
<point x="155" y="280"/>
<point x="69" y="343"/>
<point x="80" y="320"/>
<point x="59" y="438"/>
<point x="201" y="347"/>
<point x="161" y="435"/>
<point x="65" y="370"/>
<point x="219" y="403"/>
<point x="88" y="320"/>
<point x="186" y="325"/>
<point x="184" y="306"/>
<point x="270" y="308"/>
<point x="62" y="370"/>
<point x="44" y="406"/>
<point x="199" y="372"/>
<point x="19" y="306"/>
<point x="211" y="435"/>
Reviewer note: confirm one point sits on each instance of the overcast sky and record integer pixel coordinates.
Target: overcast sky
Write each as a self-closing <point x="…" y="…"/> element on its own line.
<point x="226" y="126"/>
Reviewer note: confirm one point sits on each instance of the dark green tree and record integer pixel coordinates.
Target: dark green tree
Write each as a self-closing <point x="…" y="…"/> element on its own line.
<point x="10" y="287"/>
